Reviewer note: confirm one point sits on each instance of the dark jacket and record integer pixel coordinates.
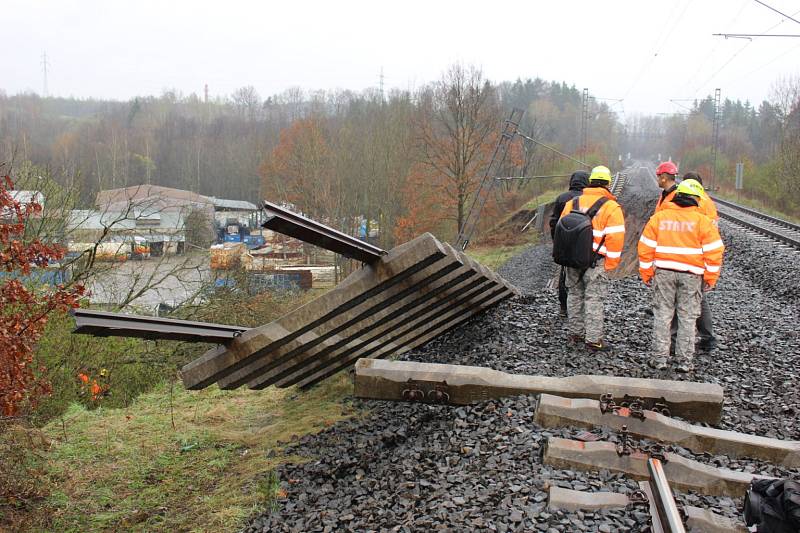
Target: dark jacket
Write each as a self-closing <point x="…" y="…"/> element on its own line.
<point x="577" y="182"/>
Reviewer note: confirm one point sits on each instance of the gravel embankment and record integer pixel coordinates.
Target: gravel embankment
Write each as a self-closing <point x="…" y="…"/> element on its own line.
<point x="411" y="467"/>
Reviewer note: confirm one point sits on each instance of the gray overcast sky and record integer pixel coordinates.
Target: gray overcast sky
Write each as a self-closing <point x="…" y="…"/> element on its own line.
<point x="644" y="51"/>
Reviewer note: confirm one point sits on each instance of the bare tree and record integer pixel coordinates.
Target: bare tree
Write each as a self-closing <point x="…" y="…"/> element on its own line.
<point x="458" y="117"/>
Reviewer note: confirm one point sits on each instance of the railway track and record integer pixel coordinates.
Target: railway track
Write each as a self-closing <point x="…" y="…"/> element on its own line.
<point x="458" y="467"/>
<point x="775" y="228"/>
<point x="619" y="183"/>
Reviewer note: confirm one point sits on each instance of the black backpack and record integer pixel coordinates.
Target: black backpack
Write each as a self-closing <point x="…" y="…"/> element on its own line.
<point x="573" y="240"/>
<point x="773" y="506"/>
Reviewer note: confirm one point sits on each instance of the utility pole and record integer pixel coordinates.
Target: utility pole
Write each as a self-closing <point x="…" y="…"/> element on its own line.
<point x="381" y="84"/>
<point x="715" y="137"/>
<point x="584" y="123"/>
<point x="205" y="94"/>
<point x="44" y="75"/>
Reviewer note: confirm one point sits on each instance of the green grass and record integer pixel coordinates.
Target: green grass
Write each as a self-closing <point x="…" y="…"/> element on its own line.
<point x="545" y="197"/>
<point x="495" y="257"/>
<point x="132" y="470"/>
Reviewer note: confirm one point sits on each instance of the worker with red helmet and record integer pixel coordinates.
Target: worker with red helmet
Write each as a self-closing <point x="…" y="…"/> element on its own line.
<point x="666" y="175"/>
<point x="680" y="256"/>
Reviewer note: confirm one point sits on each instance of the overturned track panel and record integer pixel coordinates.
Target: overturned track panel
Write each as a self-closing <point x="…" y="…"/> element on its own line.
<point x="408" y="296"/>
<point x="462" y="385"/>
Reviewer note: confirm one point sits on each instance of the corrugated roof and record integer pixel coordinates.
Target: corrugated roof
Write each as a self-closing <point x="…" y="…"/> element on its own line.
<point x="241" y="205"/>
<point x="142" y="192"/>
<point x="160" y="197"/>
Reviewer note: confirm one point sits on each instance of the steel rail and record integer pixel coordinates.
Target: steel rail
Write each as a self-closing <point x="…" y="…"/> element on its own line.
<point x="313" y="232"/>
<point x="663" y="499"/>
<point x="107" y="324"/>
<point x="758" y="214"/>
<point x="779" y="236"/>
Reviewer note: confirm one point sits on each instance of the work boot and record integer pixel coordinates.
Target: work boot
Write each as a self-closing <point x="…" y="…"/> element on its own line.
<point x="658" y="364"/>
<point x="685" y="367"/>
<point x="599" y="346"/>
<point x="707" y="344"/>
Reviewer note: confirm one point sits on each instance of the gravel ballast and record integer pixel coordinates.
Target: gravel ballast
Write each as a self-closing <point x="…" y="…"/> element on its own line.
<point x="412" y="467"/>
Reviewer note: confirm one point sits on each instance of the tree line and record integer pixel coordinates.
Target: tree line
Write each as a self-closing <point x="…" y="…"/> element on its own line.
<point x="401" y="162"/>
<point x="765" y="138"/>
<point x="404" y="161"/>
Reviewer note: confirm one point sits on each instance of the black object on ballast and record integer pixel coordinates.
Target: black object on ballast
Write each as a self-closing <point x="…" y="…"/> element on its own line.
<point x="573" y="240"/>
<point x="773" y="506"/>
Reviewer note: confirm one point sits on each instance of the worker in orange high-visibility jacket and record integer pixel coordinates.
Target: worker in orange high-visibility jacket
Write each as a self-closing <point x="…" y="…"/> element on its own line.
<point x="680" y="255"/>
<point x="704" y="202"/>
<point x="587" y="290"/>
<point x="705" y="323"/>
<point x="666" y="175"/>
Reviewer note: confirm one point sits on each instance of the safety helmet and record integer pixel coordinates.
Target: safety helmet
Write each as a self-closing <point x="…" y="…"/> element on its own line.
<point x="667" y="167"/>
<point x="600" y="173"/>
<point x="694" y="184"/>
<point x="687" y="188"/>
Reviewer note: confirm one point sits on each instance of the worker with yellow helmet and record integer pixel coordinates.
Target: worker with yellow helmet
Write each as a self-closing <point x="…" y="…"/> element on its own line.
<point x="680" y="256"/>
<point x="588" y="287"/>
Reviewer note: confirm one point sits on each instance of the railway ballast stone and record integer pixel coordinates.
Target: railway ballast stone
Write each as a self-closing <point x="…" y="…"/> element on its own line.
<point x="406" y="467"/>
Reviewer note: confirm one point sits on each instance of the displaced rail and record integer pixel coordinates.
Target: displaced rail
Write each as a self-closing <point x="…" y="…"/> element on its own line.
<point x="106" y="324"/>
<point x="310" y="231"/>
<point x="769" y="226"/>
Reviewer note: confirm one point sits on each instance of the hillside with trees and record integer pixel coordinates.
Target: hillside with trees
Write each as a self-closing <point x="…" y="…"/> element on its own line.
<point x="406" y="160"/>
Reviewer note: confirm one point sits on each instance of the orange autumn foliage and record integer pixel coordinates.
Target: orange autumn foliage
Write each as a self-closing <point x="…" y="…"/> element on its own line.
<point x="24" y="311"/>
<point x="298" y="169"/>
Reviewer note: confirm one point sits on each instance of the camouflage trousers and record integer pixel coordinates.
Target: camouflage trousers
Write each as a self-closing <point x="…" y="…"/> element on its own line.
<point x="675" y="294"/>
<point x="586" y="296"/>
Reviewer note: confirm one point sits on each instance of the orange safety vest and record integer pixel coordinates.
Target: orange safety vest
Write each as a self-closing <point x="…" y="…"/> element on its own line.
<point x="682" y="239"/>
<point x="664" y="199"/>
<point x="608" y="223"/>
<point x="708" y="208"/>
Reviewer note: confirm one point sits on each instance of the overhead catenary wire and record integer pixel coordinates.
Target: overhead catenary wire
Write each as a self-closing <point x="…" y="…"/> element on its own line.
<point x="548" y="147"/>
<point x="735" y="54"/>
<point x="751" y="35"/>
<point x="768" y="63"/>
<point x="784" y="15"/>
<point x="714" y="75"/>
<point x="714" y="49"/>
<point x="657" y="50"/>
<point x="511" y="178"/>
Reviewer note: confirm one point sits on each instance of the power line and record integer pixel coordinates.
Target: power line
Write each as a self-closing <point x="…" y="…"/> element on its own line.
<point x="778" y="12"/>
<point x="738" y="52"/>
<point x="768" y="63"/>
<point x="548" y="147"/>
<point x="676" y="100"/>
<point x="714" y="49"/>
<point x="510" y="178"/>
<point x="659" y="44"/>
<point x="749" y="35"/>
